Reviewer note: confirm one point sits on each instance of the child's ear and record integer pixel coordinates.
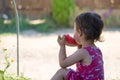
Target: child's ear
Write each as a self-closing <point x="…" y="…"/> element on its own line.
<point x="80" y="33"/>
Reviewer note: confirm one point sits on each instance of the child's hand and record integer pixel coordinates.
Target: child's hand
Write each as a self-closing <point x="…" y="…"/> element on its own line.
<point x="61" y="40"/>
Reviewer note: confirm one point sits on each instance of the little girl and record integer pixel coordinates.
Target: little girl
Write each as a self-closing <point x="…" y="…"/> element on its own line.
<point x="88" y="58"/>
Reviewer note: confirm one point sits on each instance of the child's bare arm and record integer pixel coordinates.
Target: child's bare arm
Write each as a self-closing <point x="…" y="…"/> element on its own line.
<point x="62" y="52"/>
<point x="65" y="61"/>
<point x="79" y="55"/>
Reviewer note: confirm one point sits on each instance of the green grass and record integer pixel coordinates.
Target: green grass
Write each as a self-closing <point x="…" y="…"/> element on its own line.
<point x="12" y="77"/>
<point x="47" y="26"/>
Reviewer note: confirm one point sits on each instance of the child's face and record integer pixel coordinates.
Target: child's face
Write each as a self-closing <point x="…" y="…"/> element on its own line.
<point x="77" y="34"/>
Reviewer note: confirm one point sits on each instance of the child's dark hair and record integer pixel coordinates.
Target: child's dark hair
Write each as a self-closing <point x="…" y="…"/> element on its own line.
<point x="90" y="24"/>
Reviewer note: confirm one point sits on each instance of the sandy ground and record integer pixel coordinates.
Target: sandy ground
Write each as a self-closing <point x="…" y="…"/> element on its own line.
<point x="39" y="53"/>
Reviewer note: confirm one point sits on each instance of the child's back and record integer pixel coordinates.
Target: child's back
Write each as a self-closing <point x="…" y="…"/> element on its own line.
<point x="93" y="71"/>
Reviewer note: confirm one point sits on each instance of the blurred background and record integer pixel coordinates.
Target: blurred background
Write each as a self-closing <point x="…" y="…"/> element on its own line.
<point x="47" y="15"/>
<point x="40" y="23"/>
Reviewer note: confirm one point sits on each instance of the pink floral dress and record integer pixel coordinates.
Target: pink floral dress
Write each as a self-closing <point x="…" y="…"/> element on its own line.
<point x="94" y="71"/>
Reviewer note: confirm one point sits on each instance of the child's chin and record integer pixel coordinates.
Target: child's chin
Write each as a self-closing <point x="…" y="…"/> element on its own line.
<point x="78" y="43"/>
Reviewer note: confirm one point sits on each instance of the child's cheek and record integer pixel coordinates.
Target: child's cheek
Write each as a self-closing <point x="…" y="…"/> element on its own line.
<point x="76" y="37"/>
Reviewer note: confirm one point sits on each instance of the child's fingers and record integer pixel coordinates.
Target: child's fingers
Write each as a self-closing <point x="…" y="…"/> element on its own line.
<point x="63" y="37"/>
<point x="59" y="37"/>
<point x="61" y="40"/>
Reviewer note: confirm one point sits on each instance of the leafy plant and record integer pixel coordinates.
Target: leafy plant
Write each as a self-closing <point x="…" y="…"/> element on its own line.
<point x="7" y="25"/>
<point x="63" y="11"/>
<point x="13" y="77"/>
<point x="3" y="72"/>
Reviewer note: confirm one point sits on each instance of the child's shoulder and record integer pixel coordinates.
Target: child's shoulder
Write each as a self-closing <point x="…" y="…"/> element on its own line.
<point x="83" y="51"/>
<point x="92" y="50"/>
<point x="87" y="49"/>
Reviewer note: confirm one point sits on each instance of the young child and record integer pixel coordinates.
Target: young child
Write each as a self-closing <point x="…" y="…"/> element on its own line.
<point x="88" y="58"/>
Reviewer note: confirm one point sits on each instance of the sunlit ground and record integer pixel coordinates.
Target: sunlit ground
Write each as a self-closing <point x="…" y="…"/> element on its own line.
<point x="39" y="21"/>
<point x="39" y="53"/>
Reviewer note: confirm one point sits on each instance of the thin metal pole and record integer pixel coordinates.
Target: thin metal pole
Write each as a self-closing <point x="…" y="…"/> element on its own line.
<point x="18" y="32"/>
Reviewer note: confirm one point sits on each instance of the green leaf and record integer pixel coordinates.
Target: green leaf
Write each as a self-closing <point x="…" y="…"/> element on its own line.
<point x="1" y="75"/>
<point x="4" y="49"/>
<point x="8" y="63"/>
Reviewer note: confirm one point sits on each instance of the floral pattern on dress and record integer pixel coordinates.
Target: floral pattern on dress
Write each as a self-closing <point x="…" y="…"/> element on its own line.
<point x="94" y="71"/>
